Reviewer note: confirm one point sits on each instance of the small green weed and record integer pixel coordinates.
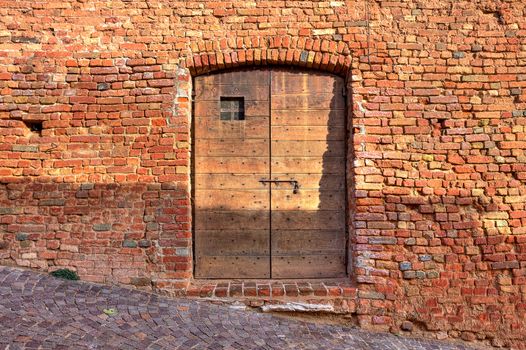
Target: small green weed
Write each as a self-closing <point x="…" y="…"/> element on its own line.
<point x="110" y="312"/>
<point x="65" y="274"/>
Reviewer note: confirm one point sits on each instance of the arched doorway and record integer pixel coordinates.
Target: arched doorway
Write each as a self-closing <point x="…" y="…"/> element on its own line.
<point x="269" y="174"/>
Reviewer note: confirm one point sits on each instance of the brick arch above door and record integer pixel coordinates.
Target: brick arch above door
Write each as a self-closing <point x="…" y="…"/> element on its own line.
<point x="326" y="55"/>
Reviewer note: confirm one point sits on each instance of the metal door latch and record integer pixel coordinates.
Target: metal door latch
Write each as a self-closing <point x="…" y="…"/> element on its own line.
<point x="295" y="184"/>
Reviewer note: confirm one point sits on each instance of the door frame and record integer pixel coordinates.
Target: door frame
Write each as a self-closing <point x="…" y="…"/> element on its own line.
<point x="349" y="158"/>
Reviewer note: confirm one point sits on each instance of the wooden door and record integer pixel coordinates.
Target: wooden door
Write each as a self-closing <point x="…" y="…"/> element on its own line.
<point x="249" y="221"/>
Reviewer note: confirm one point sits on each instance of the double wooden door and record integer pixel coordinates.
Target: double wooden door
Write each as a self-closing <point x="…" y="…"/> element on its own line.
<point x="269" y="175"/>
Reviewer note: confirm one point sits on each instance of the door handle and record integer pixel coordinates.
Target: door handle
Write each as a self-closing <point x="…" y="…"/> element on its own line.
<point x="295" y="184"/>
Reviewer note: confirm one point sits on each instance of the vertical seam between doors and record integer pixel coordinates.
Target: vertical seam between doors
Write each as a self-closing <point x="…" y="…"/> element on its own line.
<point x="270" y="168"/>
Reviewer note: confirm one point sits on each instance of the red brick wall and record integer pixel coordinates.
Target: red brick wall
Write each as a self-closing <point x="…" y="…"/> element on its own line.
<point x="438" y="123"/>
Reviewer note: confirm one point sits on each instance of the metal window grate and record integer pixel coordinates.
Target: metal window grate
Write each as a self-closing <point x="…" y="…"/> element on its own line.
<point x="232" y="108"/>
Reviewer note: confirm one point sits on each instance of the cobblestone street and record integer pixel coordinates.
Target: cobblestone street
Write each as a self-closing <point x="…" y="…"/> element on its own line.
<point x="39" y="311"/>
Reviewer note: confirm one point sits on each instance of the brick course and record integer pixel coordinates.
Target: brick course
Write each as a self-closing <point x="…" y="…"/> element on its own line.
<point x="438" y="121"/>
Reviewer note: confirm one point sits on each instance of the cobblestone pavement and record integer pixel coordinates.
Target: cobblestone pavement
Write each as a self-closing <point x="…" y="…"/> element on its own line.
<point x="39" y="311"/>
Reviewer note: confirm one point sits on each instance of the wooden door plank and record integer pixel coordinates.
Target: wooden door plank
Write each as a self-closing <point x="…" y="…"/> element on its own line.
<point x="285" y="199"/>
<point x="258" y="77"/>
<point x="211" y="266"/>
<point x="315" y="181"/>
<point x="287" y="82"/>
<point x="320" y="117"/>
<point x="308" y="266"/>
<point x="246" y="182"/>
<point x="306" y="101"/>
<point x="213" y="128"/>
<point x="231" y="199"/>
<point x="234" y="243"/>
<point x="285" y="242"/>
<point x="248" y="91"/>
<point x="322" y="183"/>
<point x="310" y="220"/>
<point x="212" y="109"/>
<point x="231" y="220"/>
<point x="308" y="133"/>
<point x="232" y="165"/>
<point x="290" y="165"/>
<point x="303" y="148"/>
<point x="232" y="147"/>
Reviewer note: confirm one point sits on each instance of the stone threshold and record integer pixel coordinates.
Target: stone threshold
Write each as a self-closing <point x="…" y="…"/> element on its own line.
<point x="273" y="289"/>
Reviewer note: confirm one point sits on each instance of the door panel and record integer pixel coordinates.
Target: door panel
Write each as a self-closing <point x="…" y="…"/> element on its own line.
<point x="231" y="208"/>
<point x="293" y="130"/>
<point x="307" y="141"/>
